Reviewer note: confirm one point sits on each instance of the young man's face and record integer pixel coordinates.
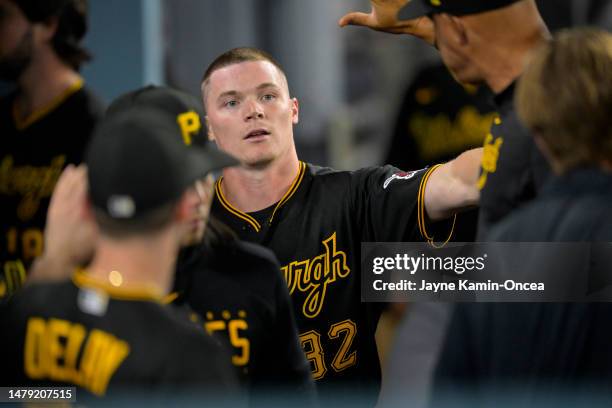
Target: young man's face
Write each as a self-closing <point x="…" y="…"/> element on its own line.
<point x="250" y="113"/>
<point x="16" y="41"/>
<point x="201" y="202"/>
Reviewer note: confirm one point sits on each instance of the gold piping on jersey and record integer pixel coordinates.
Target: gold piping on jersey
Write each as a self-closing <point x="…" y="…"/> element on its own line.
<point x="21" y="124"/>
<point x="421" y="211"/>
<point x="292" y="189"/>
<point x="82" y="280"/>
<point x="170" y="297"/>
<point x="246" y="217"/>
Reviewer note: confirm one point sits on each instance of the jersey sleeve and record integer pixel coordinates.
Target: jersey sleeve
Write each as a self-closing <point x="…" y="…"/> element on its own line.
<point x="390" y="206"/>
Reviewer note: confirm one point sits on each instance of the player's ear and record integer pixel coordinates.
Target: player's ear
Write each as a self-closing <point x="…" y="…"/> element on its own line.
<point x="460" y="29"/>
<point x="452" y="29"/>
<point x="186" y="204"/>
<point x="48" y="28"/>
<point x="295" y="111"/>
<point x="209" y="130"/>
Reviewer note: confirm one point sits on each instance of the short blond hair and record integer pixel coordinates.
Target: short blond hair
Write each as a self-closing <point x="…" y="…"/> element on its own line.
<point x="238" y="56"/>
<point x="565" y="97"/>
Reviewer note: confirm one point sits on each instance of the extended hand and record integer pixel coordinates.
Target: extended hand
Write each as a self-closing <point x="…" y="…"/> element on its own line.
<point x="383" y="17"/>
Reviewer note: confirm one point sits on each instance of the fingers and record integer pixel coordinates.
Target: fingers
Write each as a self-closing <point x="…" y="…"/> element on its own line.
<point x="72" y="179"/>
<point x="63" y="183"/>
<point x="356" y="18"/>
<point x="69" y="190"/>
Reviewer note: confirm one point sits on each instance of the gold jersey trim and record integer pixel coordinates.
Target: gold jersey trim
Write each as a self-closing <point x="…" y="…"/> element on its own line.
<point x="169" y="298"/>
<point x="421" y="218"/>
<point x="246" y="217"/>
<point x="38" y="114"/>
<point x="82" y="280"/>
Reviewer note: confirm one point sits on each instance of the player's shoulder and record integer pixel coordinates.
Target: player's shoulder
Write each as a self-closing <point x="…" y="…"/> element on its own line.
<point x="382" y="178"/>
<point x="92" y="102"/>
<point x="363" y="174"/>
<point x="87" y="102"/>
<point x="365" y="181"/>
<point x="249" y="252"/>
<point x="44" y="295"/>
<point x="238" y="257"/>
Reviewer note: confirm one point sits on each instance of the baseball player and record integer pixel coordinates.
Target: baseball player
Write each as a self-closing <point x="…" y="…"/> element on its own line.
<point x="314" y="218"/>
<point x="481" y="41"/>
<point x="45" y="123"/>
<point x="235" y="288"/>
<point x="106" y="329"/>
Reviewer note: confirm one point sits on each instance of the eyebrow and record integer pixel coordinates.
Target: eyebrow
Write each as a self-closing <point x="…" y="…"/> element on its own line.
<point x="259" y="88"/>
<point x="267" y="85"/>
<point x="227" y="93"/>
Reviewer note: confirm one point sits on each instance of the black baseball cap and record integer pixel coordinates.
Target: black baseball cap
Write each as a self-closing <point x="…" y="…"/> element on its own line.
<point x="186" y="108"/>
<point x="137" y="162"/>
<point x="419" y="8"/>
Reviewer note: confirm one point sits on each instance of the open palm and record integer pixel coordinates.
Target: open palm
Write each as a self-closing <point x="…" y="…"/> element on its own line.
<point x="383" y="17"/>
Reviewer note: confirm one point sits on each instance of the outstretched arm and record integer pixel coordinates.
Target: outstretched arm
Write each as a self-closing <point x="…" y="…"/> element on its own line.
<point x="383" y="17"/>
<point x="452" y="187"/>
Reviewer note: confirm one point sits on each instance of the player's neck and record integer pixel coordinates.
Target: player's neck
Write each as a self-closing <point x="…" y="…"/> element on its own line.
<point x="141" y="263"/>
<point x="253" y="189"/>
<point x="505" y="64"/>
<point x="46" y="79"/>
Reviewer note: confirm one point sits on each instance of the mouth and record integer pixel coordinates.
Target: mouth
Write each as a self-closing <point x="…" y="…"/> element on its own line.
<point x="257" y="134"/>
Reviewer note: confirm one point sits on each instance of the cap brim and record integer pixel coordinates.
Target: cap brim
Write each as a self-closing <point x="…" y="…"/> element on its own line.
<point x="414" y="9"/>
<point x="203" y="160"/>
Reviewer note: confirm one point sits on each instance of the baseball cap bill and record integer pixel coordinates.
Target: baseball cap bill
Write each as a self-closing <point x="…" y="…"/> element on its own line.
<point x="137" y="163"/>
<point x="419" y="8"/>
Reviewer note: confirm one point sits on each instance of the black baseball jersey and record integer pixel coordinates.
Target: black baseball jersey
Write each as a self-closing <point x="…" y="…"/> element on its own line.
<point x="316" y="232"/>
<point x="106" y="340"/>
<point x="513" y="169"/>
<point x="33" y="154"/>
<point x="238" y="292"/>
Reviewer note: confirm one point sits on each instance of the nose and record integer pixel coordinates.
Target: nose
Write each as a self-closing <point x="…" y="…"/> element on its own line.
<point x="253" y="111"/>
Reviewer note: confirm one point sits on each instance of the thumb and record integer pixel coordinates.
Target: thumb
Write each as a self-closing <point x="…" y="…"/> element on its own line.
<point x="355" y="18"/>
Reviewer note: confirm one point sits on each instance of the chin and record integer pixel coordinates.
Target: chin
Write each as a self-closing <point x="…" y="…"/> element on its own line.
<point x="467" y="78"/>
<point x="259" y="161"/>
<point x="193" y="237"/>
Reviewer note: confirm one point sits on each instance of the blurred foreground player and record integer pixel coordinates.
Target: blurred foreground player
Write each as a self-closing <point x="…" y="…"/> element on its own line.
<point x="235" y="287"/>
<point x="551" y="352"/>
<point x="45" y="123"/>
<point x="106" y="329"/>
